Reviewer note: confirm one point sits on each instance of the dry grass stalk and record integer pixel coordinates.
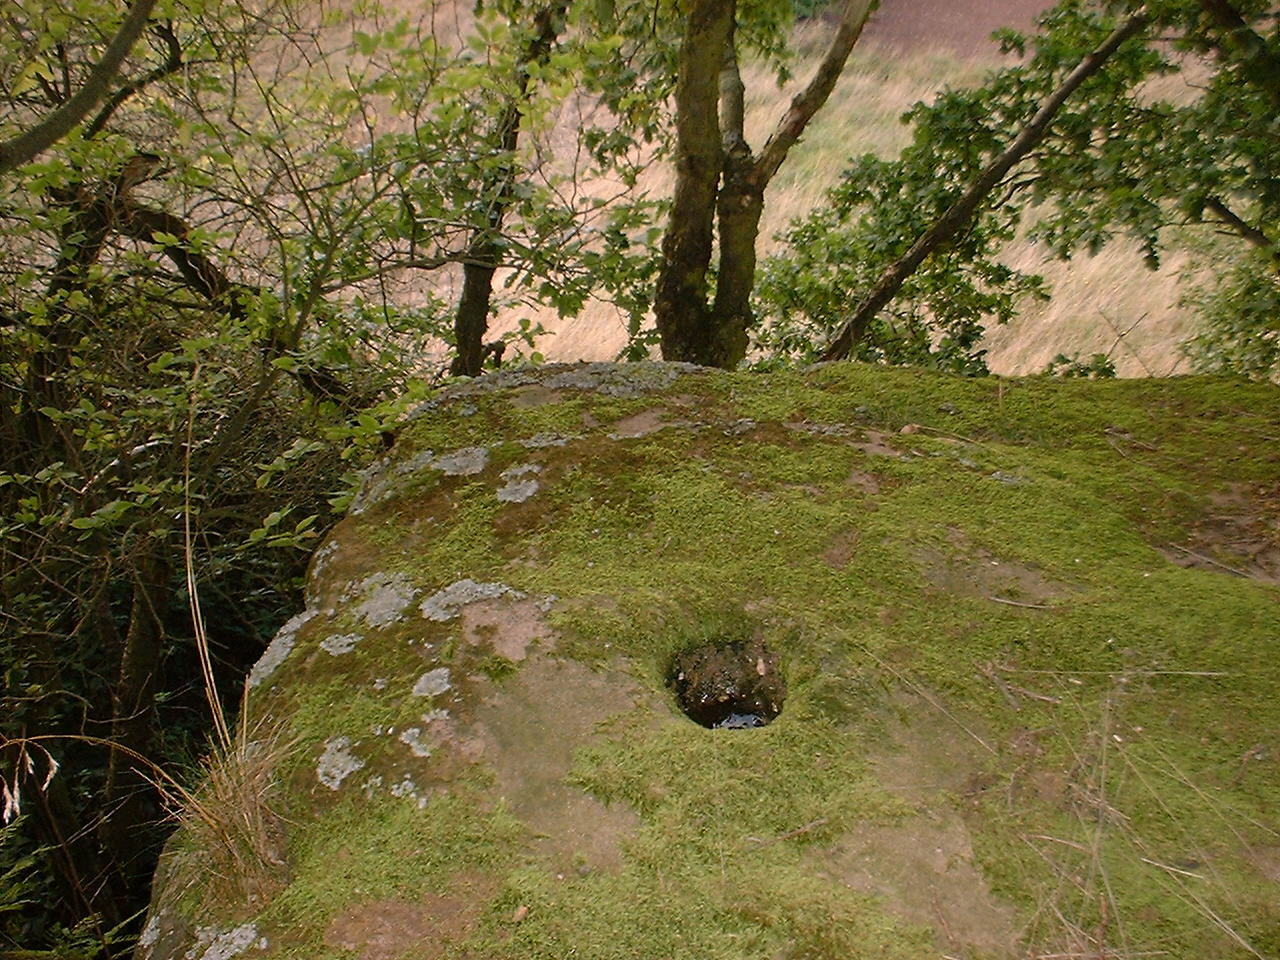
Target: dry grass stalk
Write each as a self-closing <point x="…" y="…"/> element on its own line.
<point x="235" y="841"/>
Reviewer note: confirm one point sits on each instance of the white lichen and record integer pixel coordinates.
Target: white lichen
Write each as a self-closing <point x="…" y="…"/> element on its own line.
<point x="432" y="683"/>
<point x="539" y="440"/>
<point x="448" y="603"/>
<point x="279" y="648"/>
<point x="150" y="933"/>
<point x="386" y="597"/>
<point x="464" y="462"/>
<point x="223" y="945"/>
<point x="337" y="762"/>
<point x="518" y="491"/>
<point x="339" y="643"/>
<point x="412" y="738"/>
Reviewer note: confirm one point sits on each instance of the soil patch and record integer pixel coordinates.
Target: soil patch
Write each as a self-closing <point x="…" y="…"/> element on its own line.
<point x="961" y="26"/>
<point x="387" y="929"/>
<point x="531" y="725"/>
<point x="1240" y="535"/>
<point x="974" y="572"/>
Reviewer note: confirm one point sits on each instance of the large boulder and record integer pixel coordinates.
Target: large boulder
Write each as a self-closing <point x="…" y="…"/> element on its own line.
<point x="658" y="662"/>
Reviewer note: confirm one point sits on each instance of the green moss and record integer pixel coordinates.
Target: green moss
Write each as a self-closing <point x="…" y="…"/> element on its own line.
<point x="999" y="569"/>
<point x="389" y="849"/>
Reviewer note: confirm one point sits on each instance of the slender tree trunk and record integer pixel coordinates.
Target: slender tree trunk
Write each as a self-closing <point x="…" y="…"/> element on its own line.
<point x="483" y="257"/>
<point x="128" y="797"/>
<point x="471" y="320"/>
<point x="720" y="181"/>
<point x="738" y="211"/>
<point x="959" y="213"/>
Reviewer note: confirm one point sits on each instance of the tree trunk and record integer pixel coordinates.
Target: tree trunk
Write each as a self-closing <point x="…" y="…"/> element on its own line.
<point x="129" y="798"/>
<point x="472" y="317"/>
<point x="710" y="145"/>
<point x="738" y="212"/>
<point x="680" y="301"/>
<point x="959" y="213"/>
<point x="483" y="256"/>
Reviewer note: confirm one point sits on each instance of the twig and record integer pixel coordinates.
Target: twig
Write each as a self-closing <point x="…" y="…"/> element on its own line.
<point x="989" y="672"/>
<point x="1031" y="694"/>
<point x="1129" y="438"/>
<point x="1115" y="446"/>
<point x="924" y="694"/>
<point x="1202" y="557"/>
<point x="1019" y="603"/>
<point x="1165" y="866"/>
<point x="813" y="825"/>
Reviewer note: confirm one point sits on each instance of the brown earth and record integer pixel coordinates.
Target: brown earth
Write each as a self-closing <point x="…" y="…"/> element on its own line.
<point x="962" y="26"/>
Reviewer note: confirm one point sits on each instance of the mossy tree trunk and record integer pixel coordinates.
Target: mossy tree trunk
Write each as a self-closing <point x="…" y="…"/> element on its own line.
<point x="720" y="183"/>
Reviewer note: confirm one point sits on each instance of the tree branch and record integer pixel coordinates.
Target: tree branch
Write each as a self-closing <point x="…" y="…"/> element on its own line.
<point x="29" y="144"/>
<point x="1259" y="63"/>
<point x="1250" y="233"/>
<point x="810" y="100"/>
<point x="172" y="63"/>
<point x="958" y="215"/>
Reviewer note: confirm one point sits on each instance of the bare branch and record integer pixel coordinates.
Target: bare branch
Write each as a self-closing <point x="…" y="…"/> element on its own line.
<point x="29" y="144"/>
<point x="810" y="100"/>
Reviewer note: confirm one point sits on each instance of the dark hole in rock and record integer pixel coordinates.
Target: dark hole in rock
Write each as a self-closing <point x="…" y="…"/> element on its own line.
<point x="728" y="686"/>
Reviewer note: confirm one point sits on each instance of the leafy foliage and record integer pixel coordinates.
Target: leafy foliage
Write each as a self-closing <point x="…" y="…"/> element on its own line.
<point x="1120" y="158"/>
<point x="208" y="299"/>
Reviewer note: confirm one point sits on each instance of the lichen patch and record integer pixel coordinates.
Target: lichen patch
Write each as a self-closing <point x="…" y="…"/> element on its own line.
<point x="337" y="762"/>
<point x="448" y="603"/>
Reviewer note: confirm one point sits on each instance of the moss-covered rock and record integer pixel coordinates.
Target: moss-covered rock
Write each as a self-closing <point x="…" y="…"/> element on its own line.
<point x="1027" y="633"/>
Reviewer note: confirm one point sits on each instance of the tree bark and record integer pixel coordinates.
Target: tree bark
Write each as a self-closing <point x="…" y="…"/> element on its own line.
<point x="128" y="796"/>
<point x="680" y="301"/>
<point x="483" y="256"/>
<point x="689" y="329"/>
<point x="959" y="213"/>
<point x="29" y="144"/>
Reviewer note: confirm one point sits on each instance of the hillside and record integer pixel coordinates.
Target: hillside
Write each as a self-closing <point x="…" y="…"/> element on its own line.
<point x="1016" y="639"/>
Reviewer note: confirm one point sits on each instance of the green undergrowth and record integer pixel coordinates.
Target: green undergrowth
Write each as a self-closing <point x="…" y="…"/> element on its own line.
<point x="1105" y="718"/>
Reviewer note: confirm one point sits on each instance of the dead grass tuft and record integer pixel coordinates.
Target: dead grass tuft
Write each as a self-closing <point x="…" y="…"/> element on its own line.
<point x="234" y="837"/>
